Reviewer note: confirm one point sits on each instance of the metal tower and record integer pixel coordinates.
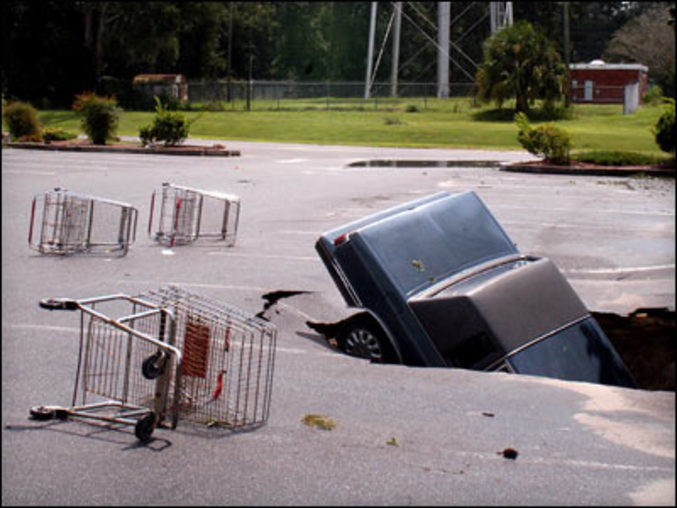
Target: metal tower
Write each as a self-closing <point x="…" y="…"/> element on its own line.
<point x="500" y="14"/>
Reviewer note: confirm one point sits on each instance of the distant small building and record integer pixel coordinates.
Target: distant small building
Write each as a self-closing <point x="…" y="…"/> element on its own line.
<point x="174" y="85"/>
<point x="600" y="82"/>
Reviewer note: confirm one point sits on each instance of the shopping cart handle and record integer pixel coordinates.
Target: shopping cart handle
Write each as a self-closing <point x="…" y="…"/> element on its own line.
<point x="58" y="304"/>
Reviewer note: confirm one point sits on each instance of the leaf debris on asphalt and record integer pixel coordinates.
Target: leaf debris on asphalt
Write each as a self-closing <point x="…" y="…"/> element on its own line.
<point x="319" y="421"/>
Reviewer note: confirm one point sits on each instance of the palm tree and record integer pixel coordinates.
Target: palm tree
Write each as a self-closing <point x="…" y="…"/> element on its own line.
<point x="522" y="63"/>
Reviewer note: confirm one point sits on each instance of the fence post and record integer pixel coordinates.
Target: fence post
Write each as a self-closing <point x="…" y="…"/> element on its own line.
<point x="249" y="83"/>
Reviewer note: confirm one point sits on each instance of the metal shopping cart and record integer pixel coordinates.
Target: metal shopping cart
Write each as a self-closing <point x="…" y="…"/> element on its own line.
<point x="71" y="223"/>
<point x="150" y="360"/>
<point x="226" y="375"/>
<point x="186" y="214"/>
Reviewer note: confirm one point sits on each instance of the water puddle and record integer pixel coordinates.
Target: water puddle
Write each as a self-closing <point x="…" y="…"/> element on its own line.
<point x="407" y="163"/>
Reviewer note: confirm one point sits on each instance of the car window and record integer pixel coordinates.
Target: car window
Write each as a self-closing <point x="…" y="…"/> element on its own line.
<point x="580" y="352"/>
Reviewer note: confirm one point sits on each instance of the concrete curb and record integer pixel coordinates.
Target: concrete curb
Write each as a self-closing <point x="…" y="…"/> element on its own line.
<point x="599" y="171"/>
<point x="117" y="149"/>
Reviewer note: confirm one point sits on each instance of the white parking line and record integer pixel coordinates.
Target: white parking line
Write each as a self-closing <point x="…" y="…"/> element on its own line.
<point x="659" y="213"/>
<point x="290" y="161"/>
<point x="560" y="225"/>
<point x="629" y="269"/>
<point x="29" y="172"/>
<point x="66" y="329"/>
<point x="265" y="256"/>
<point x="197" y="285"/>
<point x="44" y="328"/>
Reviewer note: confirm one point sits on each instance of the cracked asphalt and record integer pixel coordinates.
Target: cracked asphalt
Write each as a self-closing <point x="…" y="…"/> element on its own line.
<point x="402" y="435"/>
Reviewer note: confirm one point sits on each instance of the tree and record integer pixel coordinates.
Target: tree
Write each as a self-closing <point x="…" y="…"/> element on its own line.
<point x="648" y="40"/>
<point x="202" y="39"/>
<point x="521" y="62"/>
<point x="43" y="53"/>
<point x="141" y="37"/>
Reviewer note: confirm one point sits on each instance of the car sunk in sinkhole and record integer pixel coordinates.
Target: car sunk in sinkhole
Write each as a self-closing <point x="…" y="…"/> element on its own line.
<point x="437" y="282"/>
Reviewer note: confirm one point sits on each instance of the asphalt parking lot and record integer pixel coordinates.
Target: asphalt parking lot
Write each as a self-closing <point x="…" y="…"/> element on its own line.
<point x="403" y="435"/>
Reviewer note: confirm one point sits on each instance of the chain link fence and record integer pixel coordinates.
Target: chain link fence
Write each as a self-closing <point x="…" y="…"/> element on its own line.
<point x="309" y="95"/>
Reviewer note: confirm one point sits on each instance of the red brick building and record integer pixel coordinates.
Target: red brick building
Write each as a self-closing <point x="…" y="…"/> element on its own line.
<point x="599" y="82"/>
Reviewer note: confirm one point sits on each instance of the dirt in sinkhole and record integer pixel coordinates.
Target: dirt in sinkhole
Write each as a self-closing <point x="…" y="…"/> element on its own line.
<point x="646" y="341"/>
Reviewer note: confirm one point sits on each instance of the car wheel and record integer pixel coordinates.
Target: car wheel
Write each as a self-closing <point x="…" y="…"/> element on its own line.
<point x="364" y="339"/>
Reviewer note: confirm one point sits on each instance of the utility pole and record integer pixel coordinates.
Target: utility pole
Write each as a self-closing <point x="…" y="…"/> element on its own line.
<point x="370" y="51"/>
<point x="396" y="48"/>
<point x="230" y="51"/>
<point x="566" y="50"/>
<point x="443" y="20"/>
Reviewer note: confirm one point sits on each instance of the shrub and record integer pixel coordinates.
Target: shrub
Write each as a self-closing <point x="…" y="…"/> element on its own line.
<point x="31" y="138"/>
<point x="57" y="134"/>
<point x="617" y="158"/>
<point x="146" y="136"/>
<point x="664" y="129"/>
<point x="169" y="102"/>
<point x="547" y="140"/>
<point x="99" y="116"/>
<point x="411" y="108"/>
<point x="653" y="95"/>
<point x="22" y="121"/>
<point x="169" y="127"/>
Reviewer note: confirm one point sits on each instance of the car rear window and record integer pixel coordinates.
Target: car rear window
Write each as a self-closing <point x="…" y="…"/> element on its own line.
<point x="420" y="247"/>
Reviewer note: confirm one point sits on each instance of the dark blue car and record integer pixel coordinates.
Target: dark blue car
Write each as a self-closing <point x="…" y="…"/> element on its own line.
<point x="437" y="282"/>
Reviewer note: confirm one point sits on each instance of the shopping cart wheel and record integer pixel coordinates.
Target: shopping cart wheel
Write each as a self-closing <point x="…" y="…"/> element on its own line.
<point x="42" y="413"/>
<point x="153" y="366"/>
<point x="145" y="426"/>
<point x="61" y="414"/>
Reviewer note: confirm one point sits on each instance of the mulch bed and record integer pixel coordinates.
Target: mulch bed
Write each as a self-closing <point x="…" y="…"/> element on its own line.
<point x="587" y="168"/>
<point x="86" y="145"/>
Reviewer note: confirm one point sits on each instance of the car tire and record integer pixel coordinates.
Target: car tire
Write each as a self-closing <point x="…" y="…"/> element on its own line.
<point x="362" y="337"/>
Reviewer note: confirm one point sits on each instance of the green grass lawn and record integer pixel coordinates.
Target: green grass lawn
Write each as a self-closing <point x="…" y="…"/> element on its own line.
<point x="444" y="123"/>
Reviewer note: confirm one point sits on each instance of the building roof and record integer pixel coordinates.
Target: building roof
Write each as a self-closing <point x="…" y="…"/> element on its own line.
<point x="601" y="65"/>
<point x="159" y="78"/>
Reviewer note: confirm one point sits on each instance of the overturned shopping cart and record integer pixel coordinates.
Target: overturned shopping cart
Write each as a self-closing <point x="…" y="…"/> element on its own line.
<point x="169" y="354"/>
<point x="64" y="222"/>
<point x="185" y="214"/>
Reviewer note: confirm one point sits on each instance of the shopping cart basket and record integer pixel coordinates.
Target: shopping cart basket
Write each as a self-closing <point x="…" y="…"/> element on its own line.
<point x="75" y="223"/>
<point x="226" y="376"/>
<point x="170" y="354"/>
<point x="186" y="214"/>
